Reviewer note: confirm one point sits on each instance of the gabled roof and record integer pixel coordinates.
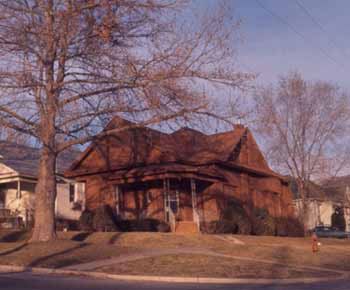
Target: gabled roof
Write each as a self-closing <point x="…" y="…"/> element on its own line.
<point x="314" y="191"/>
<point x="137" y="146"/>
<point x="337" y="188"/>
<point x="25" y="160"/>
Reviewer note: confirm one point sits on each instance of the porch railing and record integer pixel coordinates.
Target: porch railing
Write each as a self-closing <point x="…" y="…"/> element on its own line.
<point x="5" y="213"/>
<point x="172" y="220"/>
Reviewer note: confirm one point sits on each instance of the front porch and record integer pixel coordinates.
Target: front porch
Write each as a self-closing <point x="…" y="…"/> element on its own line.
<point x="16" y="201"/>
<point x="174" y="201"/>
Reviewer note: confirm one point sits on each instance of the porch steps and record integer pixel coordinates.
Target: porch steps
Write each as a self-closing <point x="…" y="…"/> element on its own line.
<point x="189" y="227"/>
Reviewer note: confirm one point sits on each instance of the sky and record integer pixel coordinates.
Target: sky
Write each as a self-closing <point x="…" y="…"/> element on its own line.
<point x="285" y="38"/>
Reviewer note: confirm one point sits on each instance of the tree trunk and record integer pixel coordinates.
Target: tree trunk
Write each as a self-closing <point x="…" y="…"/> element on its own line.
<point x="45" y="195"/>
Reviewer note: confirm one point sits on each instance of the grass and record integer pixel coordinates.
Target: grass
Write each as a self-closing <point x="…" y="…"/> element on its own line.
<point x="207" y="266"/>
<point x="76" y="247"/>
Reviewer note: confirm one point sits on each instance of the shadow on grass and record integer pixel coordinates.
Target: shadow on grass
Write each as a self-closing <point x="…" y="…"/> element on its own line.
<point x="15" y="236"/>
<point x="20" y="247"/>
<point x="81" y="236"/>
<point x="40" y="260"/>
<point x="114" y="238"/>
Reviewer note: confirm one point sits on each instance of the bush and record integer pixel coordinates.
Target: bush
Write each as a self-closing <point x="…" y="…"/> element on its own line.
<point x="163" y="227"/>
<point x="103" y="220"/>
<point x="289" y="227"/>
<point x="142" y="225"/>
<point x="338" y="219"/>
<point x="263" y="223"/>
<point x="234" y="220"/>
<point x="85" y="220"/>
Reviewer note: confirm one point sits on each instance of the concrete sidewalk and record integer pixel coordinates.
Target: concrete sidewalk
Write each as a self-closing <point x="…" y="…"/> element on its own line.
<point x="200" y="280"/>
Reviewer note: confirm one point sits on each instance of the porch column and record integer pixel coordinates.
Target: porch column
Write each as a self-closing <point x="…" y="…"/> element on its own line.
<point x="196" y="217"/>
<point x="19" y="195"/>
<point x="117" y="200"/>
<point x="165" y="183"/>
<point x="194" y="194"/>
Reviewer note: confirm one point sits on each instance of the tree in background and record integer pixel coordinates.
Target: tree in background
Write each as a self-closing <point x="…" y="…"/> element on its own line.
<point x="12" y="136"/>
<point x="68" y="66"/>
<point x="304" y="126"/>
<point x="338" y="219"/>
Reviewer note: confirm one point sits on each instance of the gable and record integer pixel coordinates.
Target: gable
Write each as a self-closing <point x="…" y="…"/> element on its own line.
<point x="4" y="170"/>
<point x="250" y="153"/>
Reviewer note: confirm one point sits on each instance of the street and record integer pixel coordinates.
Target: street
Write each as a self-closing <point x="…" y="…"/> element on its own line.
<point x="30" y="281"/>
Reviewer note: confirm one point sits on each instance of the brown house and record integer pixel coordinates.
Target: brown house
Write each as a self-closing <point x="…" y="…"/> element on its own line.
<point x="184" y="179"/>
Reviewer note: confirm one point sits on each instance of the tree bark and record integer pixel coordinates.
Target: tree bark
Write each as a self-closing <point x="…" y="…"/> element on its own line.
<point x="44" y="229"/>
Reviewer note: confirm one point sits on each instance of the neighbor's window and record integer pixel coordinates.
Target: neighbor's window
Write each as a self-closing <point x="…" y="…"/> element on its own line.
<point x="71" y="192"/>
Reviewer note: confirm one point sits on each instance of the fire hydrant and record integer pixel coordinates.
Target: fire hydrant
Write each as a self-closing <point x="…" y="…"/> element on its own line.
<point x="315" y="243"/>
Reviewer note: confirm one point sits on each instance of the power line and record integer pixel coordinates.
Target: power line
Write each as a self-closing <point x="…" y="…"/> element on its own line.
<point x="318" y="24"/>
<point x="323" y="51"/>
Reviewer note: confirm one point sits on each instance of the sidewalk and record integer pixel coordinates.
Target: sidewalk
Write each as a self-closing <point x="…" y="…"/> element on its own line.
<point x="200" y="280"/>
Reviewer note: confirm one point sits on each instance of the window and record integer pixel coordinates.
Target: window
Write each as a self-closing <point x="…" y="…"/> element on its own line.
<point x="71" y="192"/>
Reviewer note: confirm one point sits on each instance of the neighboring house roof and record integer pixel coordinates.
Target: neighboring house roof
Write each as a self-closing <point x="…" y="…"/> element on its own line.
<point x="314" y="191"/>
<point x="338" y="188"/>
<point x="328" y="190"/>
<point x="138" y="146"/>
<point x="25" y="160"/>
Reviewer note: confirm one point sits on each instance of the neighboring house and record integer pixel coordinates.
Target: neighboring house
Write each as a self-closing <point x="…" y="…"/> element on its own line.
<point x="18" y="177"/>
<point x="185" y="178"/>
<point x="322" y="202"/>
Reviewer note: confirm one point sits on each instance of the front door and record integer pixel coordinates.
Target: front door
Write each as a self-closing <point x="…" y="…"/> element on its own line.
<point x="171" y="203"/>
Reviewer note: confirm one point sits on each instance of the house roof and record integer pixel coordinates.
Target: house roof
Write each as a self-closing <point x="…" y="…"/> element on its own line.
<point x="25" y="160"/>
<point x="337" y="188"/>
<point x="143" y="147"/>
<point x="331" y="189"/>
<point x="314" y="191"/>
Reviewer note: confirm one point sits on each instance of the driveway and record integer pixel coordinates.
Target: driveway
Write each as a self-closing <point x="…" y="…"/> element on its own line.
<point x="30" y="281"/>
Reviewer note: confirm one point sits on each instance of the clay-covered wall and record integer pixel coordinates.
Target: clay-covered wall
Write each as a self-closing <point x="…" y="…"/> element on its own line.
<point x="141" y="202"/>
<point x="98" y="192"/>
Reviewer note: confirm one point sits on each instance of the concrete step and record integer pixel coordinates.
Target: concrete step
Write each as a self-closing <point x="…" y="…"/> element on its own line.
<point x="185" y="227"/>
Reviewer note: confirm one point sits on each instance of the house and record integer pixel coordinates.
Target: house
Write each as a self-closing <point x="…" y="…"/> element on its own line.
<point x="322" y="201"/>
<point x="18" y="177"/>
<point x="184" y="178"/>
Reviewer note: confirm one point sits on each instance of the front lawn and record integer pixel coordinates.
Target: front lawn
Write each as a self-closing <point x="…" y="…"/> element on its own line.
<point x="77" y="247"/>
<point x="187" y="265"/>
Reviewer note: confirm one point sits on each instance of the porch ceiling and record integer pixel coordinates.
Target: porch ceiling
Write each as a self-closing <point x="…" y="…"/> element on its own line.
<point x="162" y="172"/>
<point x="14" y="178"/>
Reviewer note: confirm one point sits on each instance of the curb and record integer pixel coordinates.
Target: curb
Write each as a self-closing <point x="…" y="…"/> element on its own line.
<point x="139" y="278"/>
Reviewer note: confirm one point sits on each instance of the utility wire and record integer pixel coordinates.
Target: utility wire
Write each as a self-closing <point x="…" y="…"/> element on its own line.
<point x="323" y="51"/>
<point x="318" y="24"/>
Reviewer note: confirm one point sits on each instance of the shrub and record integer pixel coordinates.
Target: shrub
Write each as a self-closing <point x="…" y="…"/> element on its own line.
<point x="338" y="219"/>
<point x="85" y="220"/>
<point x="163" y="227"/>
<point x="263" y="223"/>
<point x="142" y="225"/>
<point x="233" y="220"/>
<point x="289" y="227"/>
<point x="103" y="219"/>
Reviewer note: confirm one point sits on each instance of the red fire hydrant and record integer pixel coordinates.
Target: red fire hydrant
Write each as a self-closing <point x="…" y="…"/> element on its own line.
<point x="314" y="243"/>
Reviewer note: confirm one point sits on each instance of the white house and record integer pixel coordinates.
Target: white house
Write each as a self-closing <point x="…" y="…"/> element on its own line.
<point x="18" y="178"/>
<point x="321" y="203"/>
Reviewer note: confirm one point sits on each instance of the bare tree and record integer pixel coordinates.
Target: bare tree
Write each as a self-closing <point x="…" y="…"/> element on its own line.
<point x="66" y="66"/>
<point x="304" y="125"/>
<point x="12" y="136"/>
